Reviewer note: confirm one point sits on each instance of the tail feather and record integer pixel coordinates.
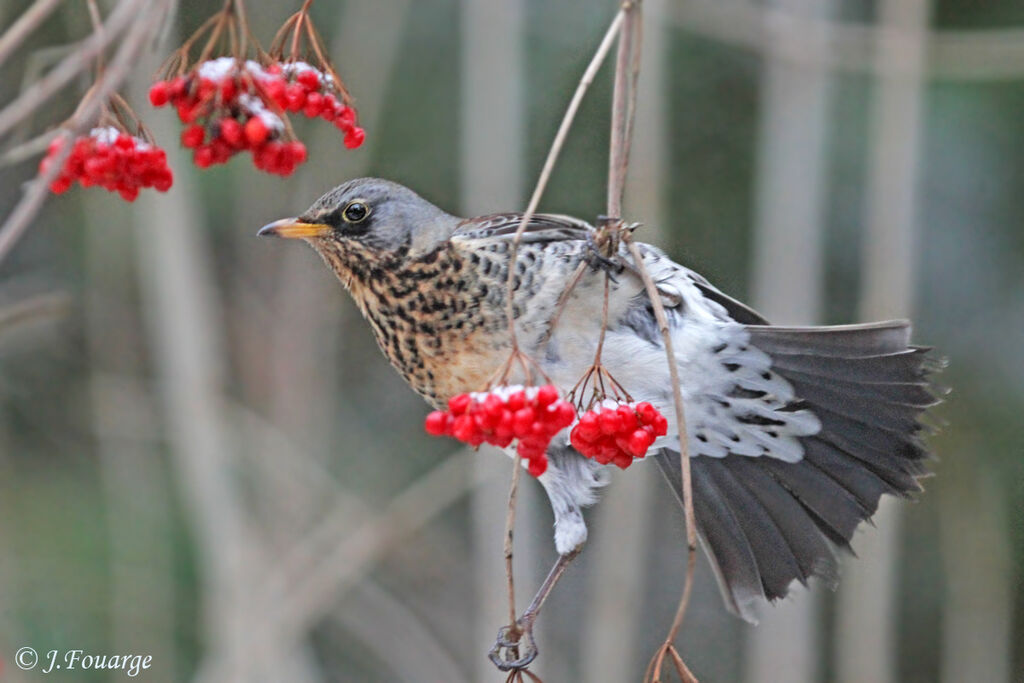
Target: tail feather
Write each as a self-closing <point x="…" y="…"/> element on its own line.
<point x="729" y="550"/>
<point x="765" y="522"/>
<point x="776" y="563"/>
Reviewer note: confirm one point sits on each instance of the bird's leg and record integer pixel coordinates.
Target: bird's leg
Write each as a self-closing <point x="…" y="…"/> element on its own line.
<point x="515" y="648"/>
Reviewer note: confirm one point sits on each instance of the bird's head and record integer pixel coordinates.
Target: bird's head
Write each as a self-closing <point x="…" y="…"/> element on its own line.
<point x="367" y="214"/>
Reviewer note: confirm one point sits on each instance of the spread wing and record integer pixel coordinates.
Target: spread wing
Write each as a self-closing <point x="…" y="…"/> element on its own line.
<point x="542" y="227"/>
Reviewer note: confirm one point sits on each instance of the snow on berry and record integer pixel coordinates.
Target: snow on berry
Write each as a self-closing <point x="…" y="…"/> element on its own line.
<point x="531" y="415"/>
<point x="231" y="106"/>
<point x="112" y="159"/>
<point x="615" y="432"/>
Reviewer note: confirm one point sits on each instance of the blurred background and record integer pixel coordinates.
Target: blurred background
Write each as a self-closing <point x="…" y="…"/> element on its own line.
<point x="204" y="457"/>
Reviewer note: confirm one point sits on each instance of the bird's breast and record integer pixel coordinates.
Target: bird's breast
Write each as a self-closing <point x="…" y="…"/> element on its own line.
<point x="439" y="324"/>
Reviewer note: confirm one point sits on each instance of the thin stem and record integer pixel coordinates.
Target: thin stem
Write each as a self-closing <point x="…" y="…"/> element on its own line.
<point x="97" y="27"/>
<point x="297" y="33"/>
<point x="243" y="24"/>
<point x="510" y="523"/>
<point x="549" y="163"/>
<point x="627" y="69"/>
<point x="684" y="454"/>
<point x="218" y="27"/>
<point x="604" y="321"/>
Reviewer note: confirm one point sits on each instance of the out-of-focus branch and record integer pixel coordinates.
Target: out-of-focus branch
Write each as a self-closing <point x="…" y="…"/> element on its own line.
<point x="24" y="26"/>
<point x="40" y="306"/>
<point x="147" y="18"/>
<point x="339" y="567"/>
<point x="397" y="636"/>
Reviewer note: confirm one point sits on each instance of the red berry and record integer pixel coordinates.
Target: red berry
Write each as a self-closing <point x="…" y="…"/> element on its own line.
<point x="639" y="441"/>
<point x="622" y="460"/>
<point x="463" y="428"/>
<point x="589" y="426"/>
<point x="346" y="118"/>
<point x="546" y="395"/>
<point x="660" y="425"/>
<point x="565" y="414"/>
<point x="256" y="131"/>
<point x="228" y="90"/>
<point x="610" y="421"/>
<point x="330" y="108"/>
<point x="629" y="417"/>
<point x="193" y="136"/>
<point x="355" y="137"/>
<point x="436" y="423"/>
<point x="163" y="181"/>
<point x="277" y="91"/>
<point x="61" y="184"/>
<point x="309" y="79"/>
<point x="458" y="404"/>
<point x="232" y="133"/>
<point x="297" y="150"/>
<point x="314" y="105"/>
<point x="295" y="97"/>
<point x="159" y="93"/>
<point x="203" y="156"/>
<point x="177" y="88"/>
<point x="537" y="466"/>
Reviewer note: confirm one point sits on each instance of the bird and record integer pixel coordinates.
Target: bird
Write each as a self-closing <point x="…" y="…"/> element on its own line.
<point x="793" y="433"/>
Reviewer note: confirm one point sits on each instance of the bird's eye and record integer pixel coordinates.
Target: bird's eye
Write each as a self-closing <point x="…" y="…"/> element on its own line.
<point x="356" y="212"/>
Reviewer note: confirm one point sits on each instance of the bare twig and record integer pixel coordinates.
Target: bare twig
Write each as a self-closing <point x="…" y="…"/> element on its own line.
<point x="24" y="26"/>
<point x="684" y="456"/>
<point x="510" y="525"/>
<point x="627" y="70"/>
<point x="40" y="306"/>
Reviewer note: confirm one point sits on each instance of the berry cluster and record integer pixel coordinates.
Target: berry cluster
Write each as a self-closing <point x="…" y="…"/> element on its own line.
<point x="230" y="106"/>
<point x="112" y="159"/>
<point x="618" y="432"/>
<point x="301" y="87"/>
<point x="532" y="415"/>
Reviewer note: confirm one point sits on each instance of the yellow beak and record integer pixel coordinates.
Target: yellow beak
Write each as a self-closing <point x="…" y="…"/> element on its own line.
<point x="293" y="228"/>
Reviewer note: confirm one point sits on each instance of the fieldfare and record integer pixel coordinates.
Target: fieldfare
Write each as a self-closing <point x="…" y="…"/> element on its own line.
<point x="794" y="433"/>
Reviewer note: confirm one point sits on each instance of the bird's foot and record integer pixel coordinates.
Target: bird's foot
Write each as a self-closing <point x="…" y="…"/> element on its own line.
<point x="514" y="648"/>
<point x="596" y="259"/>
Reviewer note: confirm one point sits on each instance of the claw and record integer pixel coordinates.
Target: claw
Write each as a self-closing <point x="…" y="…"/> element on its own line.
<point x="511" y="640"/>
<point x="598" y="261"/>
